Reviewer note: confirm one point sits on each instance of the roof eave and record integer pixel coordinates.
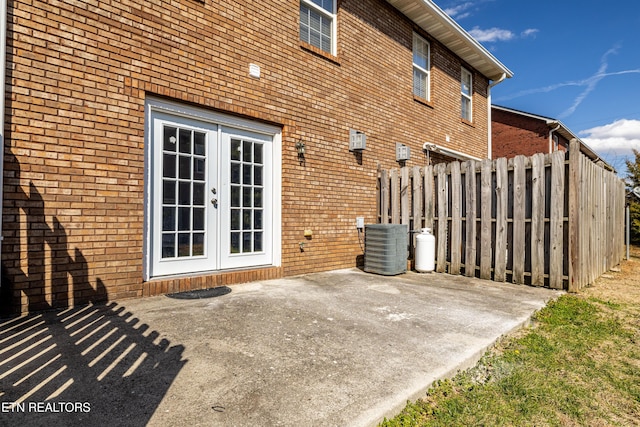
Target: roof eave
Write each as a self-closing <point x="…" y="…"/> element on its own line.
<point x="438" y="24"/>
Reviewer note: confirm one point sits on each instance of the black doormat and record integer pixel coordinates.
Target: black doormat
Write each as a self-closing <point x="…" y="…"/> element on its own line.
<point x="201" y="293"/>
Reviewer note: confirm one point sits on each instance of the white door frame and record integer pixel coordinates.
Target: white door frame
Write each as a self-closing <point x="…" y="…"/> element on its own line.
<point x="155" y="105"/>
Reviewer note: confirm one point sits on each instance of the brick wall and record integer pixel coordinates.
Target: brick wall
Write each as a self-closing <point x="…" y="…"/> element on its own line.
<point x="513" y="134"/>
<point x="79" y="73"/>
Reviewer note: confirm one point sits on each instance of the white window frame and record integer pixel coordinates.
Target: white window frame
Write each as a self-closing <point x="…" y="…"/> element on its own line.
<point x="329" y="15"/>
<point x="468" y="98"/>
<point x="424" y="72"/>
<point x="153" y="106"/>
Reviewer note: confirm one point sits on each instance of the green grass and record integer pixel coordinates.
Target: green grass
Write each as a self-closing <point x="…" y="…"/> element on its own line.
<point x="579" y="366"/>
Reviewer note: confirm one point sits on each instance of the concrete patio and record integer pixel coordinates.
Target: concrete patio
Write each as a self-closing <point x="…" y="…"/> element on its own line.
<point x="342" y="348"/>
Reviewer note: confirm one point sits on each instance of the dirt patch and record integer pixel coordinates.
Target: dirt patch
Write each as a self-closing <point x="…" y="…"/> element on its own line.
<point x="621" y="286"/>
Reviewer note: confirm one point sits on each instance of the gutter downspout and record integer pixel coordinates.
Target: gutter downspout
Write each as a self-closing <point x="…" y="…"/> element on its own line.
<point x="489" y="138"/>
<point x="3" y="69"/>
<point x="551" y="135"/>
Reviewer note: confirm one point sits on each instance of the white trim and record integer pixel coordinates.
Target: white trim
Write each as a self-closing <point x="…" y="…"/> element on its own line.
<point x="177" y="265"/>
<point x="470" y="96"/>
<point x="432" y="19"/>
<point x="334" y="21"/>
<point x="427" y="71"/>
<point x="222" y="119"/>
<point x="156" y="105"/>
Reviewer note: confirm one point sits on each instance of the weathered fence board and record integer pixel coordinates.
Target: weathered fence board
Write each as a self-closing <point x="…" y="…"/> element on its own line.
<point x="456" y="218"/>
<point x="518" y="241"/>
<point x="428" y="197"/>
<point x="384" y="196"/>
<point x="548" y="220"/>
<point x="485" y="220"/>
<point x="537" y="219"/>
<point x="502" y="185"/>
<point x="441" y="249"/>
<point x="404" y="196"/>
<point x="557" y="215"/>
<point x="395" y="196"/>
<point x="470" y="217"/>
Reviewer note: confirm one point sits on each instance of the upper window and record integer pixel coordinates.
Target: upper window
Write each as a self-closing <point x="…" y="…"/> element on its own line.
<point x="466" y="94"/>
<point x="318" y="24"/>
<point x="421" y="67"/>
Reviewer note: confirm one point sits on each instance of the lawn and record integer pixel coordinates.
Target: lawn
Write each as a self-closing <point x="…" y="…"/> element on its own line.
<point x="579" y="365"/>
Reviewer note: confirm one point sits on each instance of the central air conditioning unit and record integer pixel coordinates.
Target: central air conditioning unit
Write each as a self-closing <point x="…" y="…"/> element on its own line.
<point x="386" y="248"/>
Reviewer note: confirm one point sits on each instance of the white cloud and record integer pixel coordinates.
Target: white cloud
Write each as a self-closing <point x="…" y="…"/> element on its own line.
<point x="491" y="34"/>
<point x="614" y="141"/>
<point x="459" y="11"/>
<point x="529" y="32"/>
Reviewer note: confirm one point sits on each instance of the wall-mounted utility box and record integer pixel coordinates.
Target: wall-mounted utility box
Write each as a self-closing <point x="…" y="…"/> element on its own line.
<point x="386" y="248"/>
<point x="402" y="152"/>
<point x="357" y="140"/>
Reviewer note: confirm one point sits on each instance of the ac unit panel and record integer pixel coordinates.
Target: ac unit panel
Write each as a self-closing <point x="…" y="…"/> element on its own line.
<point x="386" y="249"/>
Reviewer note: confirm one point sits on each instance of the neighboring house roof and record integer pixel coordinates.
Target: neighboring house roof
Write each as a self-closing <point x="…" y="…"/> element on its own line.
<point x="561" y="129"/>
<point x="436" y="22"/>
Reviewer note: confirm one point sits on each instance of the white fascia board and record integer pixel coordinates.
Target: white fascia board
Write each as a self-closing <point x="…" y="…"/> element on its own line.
<point x="432" y="19"/>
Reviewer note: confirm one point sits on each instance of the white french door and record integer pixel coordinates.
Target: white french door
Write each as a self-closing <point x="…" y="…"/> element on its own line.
<point x="184" y="211"/>
<point x="246" y="199"/>
<point x="211" y="196"/>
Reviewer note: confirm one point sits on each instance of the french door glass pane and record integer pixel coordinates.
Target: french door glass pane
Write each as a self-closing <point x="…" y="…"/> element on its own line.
<point x="168" y="245"/>
<point x="183" y="192"/>
<point x="247" y="189"/>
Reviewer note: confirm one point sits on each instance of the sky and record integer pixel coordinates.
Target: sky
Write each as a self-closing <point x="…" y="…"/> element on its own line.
<point x="577" y="61"/>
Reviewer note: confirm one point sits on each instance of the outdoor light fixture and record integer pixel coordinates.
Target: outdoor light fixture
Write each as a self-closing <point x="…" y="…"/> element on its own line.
<point x="357" y="140"/>
<point x="403" y="152"/>
<point x="300" y="147"/>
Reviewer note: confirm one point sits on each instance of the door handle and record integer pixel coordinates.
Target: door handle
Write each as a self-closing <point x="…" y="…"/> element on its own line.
<point x="214" y="202"/>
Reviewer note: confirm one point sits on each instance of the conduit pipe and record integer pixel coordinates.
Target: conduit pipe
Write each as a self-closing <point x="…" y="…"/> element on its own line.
<point x="558" y="125"/>
<point x="489" y="123"/>
<point x="427" y="146"/>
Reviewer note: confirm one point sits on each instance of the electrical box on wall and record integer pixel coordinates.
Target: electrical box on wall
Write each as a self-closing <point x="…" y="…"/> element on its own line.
<point x="402" y="152"/>
<point x="357" y="140"/>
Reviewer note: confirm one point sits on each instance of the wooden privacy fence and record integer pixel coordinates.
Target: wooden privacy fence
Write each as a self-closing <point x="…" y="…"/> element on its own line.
<point x="554" y="220"/>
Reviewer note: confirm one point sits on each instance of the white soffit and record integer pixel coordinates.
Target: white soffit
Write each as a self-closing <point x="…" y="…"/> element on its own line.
<point x="442" y="27"/>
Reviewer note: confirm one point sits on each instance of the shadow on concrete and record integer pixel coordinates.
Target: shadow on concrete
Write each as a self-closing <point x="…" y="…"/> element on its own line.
<point x="92" y="365"/>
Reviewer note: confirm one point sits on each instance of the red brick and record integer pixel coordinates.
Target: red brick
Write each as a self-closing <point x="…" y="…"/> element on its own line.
<point x="79" y="82"/>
